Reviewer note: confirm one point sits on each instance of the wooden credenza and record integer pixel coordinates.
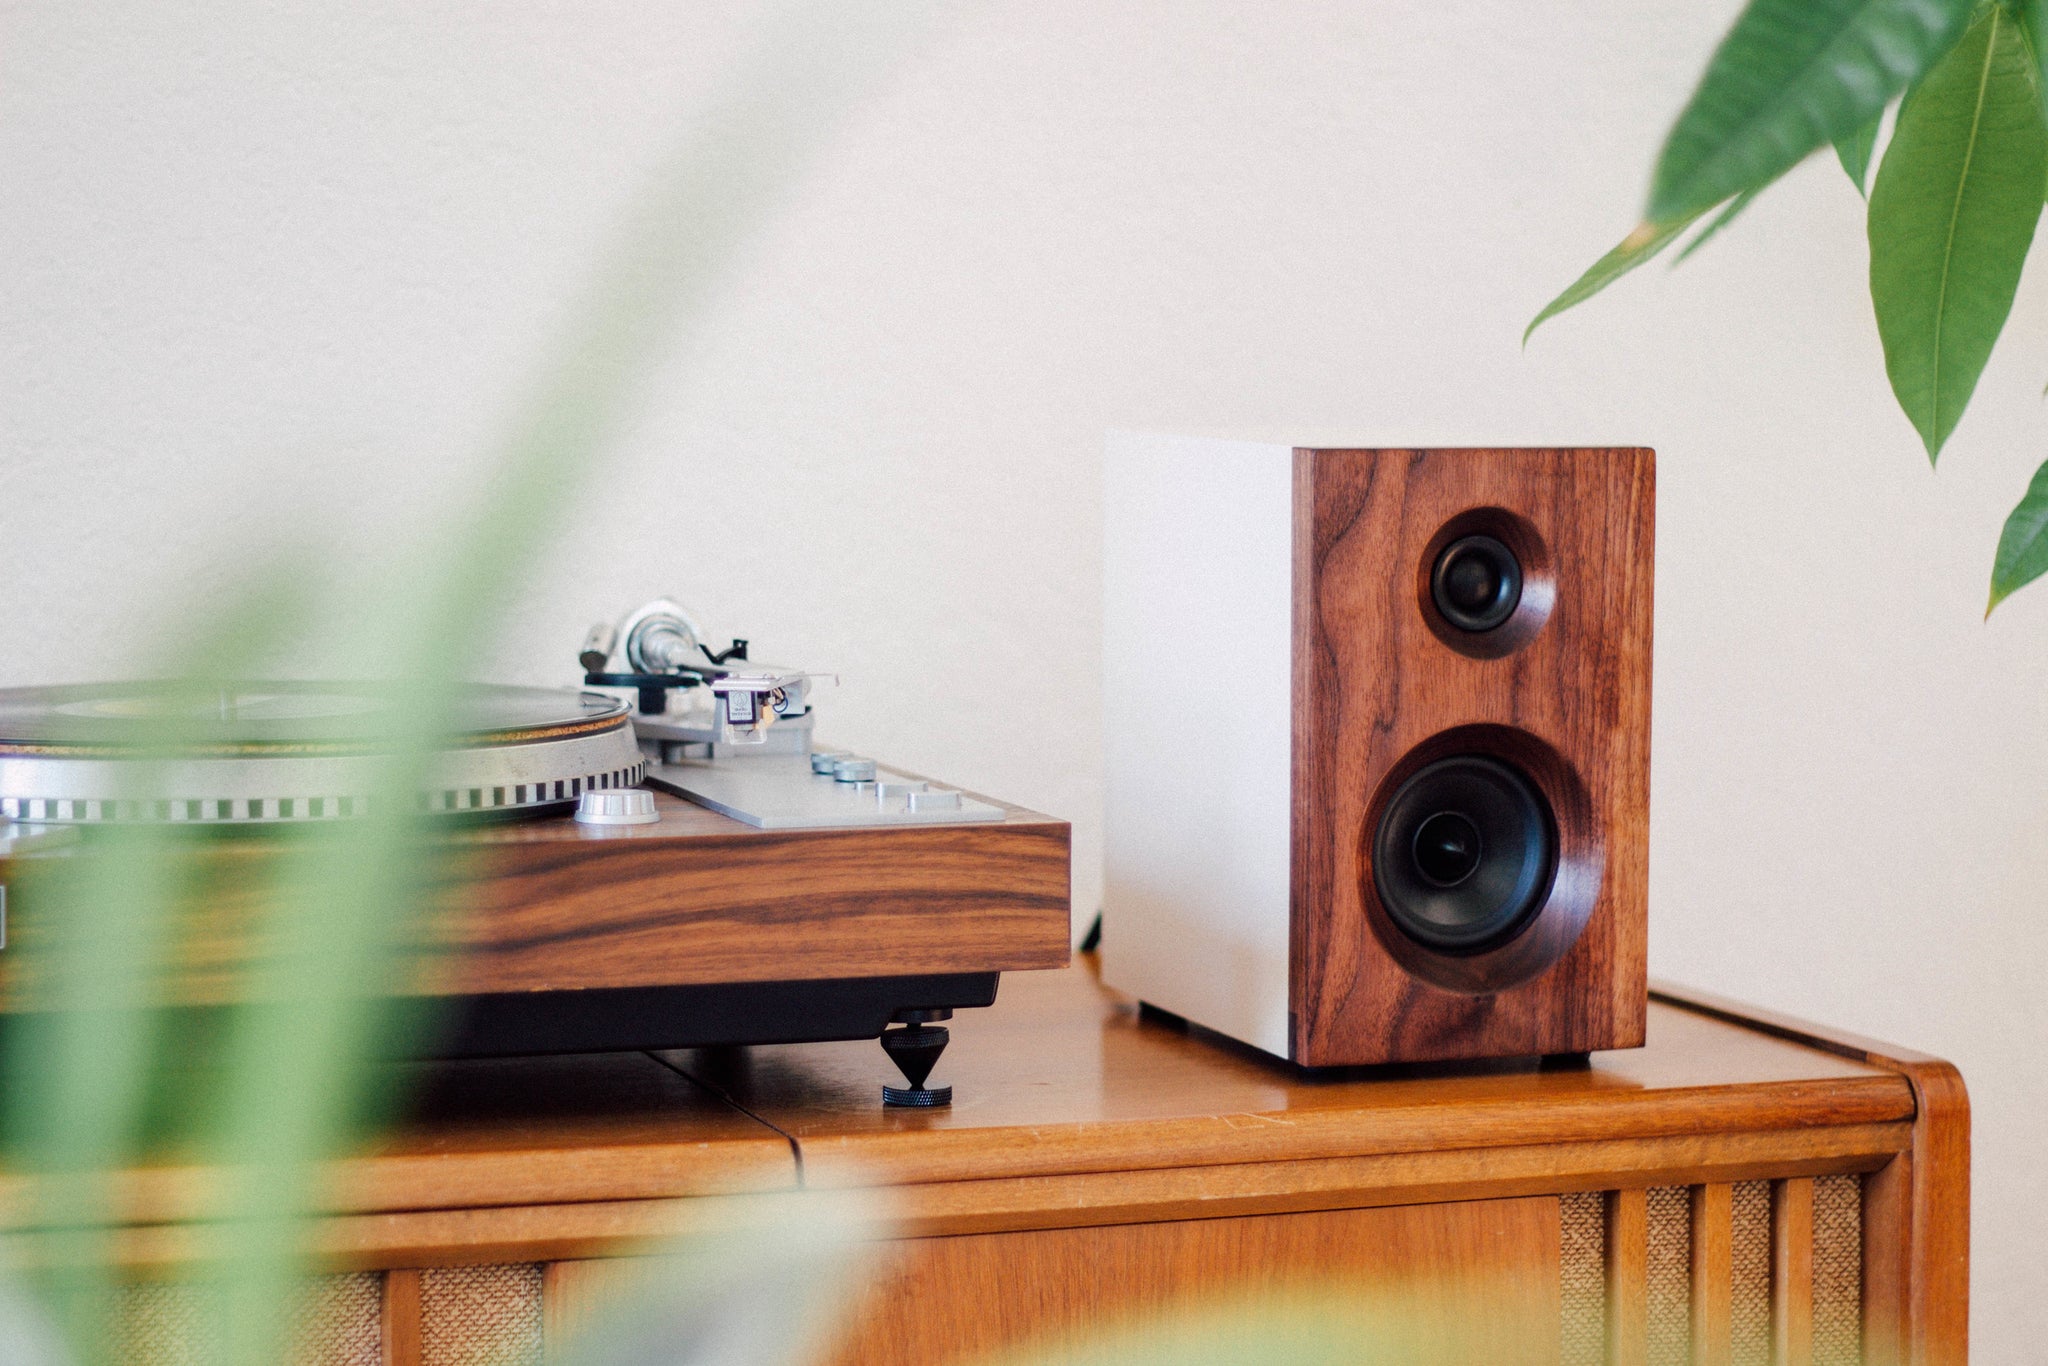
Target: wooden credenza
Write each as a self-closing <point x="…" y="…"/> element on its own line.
<point x="1741" y="1190"/>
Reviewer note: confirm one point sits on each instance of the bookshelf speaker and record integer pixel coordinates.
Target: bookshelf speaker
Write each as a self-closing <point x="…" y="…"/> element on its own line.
<point x="1377" y="745"/>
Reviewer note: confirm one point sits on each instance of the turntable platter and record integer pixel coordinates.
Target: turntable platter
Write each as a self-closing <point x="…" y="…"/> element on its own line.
<point x="290" y="752"/>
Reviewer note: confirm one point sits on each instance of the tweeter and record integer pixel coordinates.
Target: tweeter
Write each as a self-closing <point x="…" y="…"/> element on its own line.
<point x="1476" y="583"/>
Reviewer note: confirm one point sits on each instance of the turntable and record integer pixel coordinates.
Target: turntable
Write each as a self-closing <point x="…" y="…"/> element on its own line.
<point x="663" y="859"/>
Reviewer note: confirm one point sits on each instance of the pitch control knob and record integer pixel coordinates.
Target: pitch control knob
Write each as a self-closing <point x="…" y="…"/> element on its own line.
<point x="896" y="790"/>
<point x="621" y="806"/>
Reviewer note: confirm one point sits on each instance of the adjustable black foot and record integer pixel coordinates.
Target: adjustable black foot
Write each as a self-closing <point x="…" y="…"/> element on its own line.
<point x="917" y="1097"/>
<point x="915" y="1050"/>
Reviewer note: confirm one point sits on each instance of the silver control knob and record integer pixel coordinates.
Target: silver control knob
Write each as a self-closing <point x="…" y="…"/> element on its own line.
<point x="822" y="761"/>
<point x="848" y="770"/>
<point x="896" y="791"/>
<point x="622" y="806"/>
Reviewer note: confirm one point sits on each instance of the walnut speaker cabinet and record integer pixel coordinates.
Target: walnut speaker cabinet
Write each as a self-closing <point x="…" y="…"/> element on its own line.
<point x="1377" y="745"/>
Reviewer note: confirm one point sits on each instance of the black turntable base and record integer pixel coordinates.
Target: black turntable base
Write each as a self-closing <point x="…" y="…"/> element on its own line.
<point x="708" y="1016"/>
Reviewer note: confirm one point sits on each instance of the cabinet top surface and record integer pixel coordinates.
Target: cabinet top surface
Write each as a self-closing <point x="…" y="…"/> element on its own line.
<point x="1061" y="1076"/>
<point x="1065" y="1075"/>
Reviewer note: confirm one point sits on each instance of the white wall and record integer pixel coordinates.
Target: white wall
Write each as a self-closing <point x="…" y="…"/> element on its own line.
<point x="261" y="272"/>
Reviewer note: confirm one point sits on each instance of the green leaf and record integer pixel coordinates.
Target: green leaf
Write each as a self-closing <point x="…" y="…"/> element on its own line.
<point x="1726" y="216"/>
<point x="1639" y="246"/>
<point x="2034" y="28"/>
<point x="1791" y="75"/>
<point x="1951" y="217"/>
<point x="2023" y="545"/>
<point x="1854" y="152"/>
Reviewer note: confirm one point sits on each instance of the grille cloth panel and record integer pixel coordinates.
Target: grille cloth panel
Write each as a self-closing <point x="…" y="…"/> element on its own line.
<point x="481" y="1316"/>
<point x="342" y="1324"/>
<point x="166" y="1324"/>
<point x="1584" y="1268"/>
<point x="1837" y="1275"/>
<point x="1750" y="1306"/>
<point x="1837" y="1270"/>
<point x="169" y="1323"/>
<point x="1670" y="1276"/>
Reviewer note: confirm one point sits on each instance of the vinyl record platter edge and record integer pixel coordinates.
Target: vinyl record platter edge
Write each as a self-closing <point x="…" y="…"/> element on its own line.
<point x="246" y="754"/>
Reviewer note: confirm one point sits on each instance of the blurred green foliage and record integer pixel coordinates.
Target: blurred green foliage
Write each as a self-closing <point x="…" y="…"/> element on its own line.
<point x="104" y="1075"/>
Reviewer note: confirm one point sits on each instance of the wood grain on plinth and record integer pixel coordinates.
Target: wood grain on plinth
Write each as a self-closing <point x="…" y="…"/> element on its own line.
<point x="701" y="899"/>
<point x="552" y="905"/>
<point x="1377" y="684"/>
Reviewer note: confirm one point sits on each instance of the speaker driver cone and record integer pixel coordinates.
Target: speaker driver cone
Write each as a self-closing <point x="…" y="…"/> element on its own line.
<point x="1476" y="582"/>
<point x="1464" y="853"/>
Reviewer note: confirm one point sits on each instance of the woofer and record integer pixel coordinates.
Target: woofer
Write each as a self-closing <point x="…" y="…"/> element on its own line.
<point x="1465" y="853"/>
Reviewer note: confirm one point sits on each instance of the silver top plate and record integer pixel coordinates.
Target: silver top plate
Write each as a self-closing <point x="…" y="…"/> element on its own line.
<point x="781" y="792"/>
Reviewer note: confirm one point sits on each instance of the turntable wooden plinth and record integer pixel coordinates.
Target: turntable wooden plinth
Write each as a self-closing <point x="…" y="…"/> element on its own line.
<point x="695" y="899"/>
<point x="701" y="898"/>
